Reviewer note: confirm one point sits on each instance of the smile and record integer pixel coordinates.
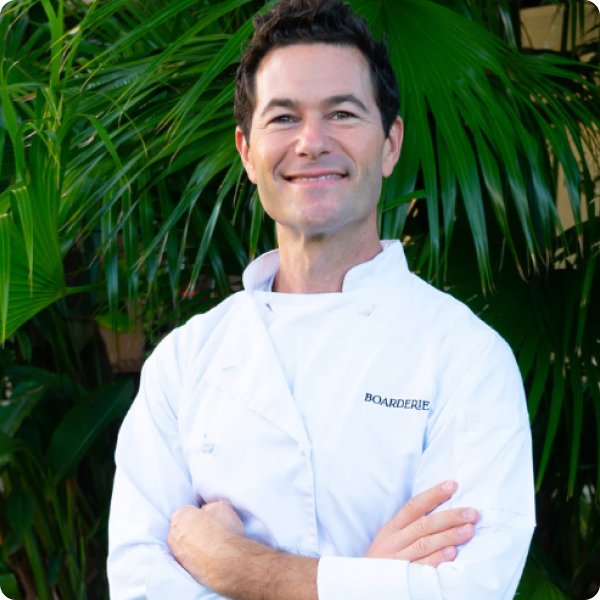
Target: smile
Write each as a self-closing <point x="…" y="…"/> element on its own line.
<point x="319" y="178"/>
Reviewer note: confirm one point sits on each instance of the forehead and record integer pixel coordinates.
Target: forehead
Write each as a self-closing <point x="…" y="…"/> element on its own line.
<point x="311" y="72"/>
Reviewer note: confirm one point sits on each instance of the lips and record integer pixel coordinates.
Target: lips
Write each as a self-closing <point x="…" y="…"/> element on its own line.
<point x="305" y="177"/>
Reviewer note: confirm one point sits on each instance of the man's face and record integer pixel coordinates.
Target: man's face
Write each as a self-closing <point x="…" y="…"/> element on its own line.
<point x="316" y="117"/>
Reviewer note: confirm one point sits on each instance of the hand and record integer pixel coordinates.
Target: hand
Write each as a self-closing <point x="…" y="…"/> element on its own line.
<point x="200" y="537"/>
<point x="414" y="535"/>
<point x="210" y="544"/>
<point x="225" y="515"/>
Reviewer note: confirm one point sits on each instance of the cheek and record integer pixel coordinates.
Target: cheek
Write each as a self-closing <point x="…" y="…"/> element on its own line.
<point x="363" y="148"/>
<point x="376" y="165"/>
<point x="264" y="170"/>
<point x="268" y="150"/>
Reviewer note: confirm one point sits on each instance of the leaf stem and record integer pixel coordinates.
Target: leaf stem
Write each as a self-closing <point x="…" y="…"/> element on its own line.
<point x="37" y="567"/>
<point x="83" y="288"/>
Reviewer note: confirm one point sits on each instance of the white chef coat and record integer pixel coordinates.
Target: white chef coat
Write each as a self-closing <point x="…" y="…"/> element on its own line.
<point x="318" y="445"/>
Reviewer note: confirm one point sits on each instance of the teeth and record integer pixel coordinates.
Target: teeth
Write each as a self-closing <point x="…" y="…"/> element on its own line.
<point x="333" y="176"/>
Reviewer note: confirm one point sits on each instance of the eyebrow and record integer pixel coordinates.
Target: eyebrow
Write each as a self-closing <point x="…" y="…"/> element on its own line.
<point x="279" y="103"/>
<point x="329" y="102"/>
<point x="341" y="98"/>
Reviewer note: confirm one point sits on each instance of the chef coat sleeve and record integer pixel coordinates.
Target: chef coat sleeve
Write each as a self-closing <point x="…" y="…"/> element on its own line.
<point x="480" y="437"/>
<point x="151" y="482"/>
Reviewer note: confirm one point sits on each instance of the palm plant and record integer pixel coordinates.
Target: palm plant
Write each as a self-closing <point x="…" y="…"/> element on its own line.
<point x="116" y="151"/>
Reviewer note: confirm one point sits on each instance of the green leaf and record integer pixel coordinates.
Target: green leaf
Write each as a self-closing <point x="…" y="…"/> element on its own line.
<point x="25" y="212"/>
<point x="417" y="194"/>
<point x="10" y="118"/>
<point x="225" y="57"/>
<point x="8" y="446"/>
<point x="131" y="247"/>
<point x="48" y="283"/>
<point x="448" y="191"/>
<point x="111" y="262"/>
<point x="527" y="355"/>
<point x="585" y="298"/>
<point x="147" y="216"/>
<point x="19" y="510"/>
<point x="159" y="17"/>
<point x="58" y="384"/>
<point x="168" y="233"/>
<point x="9" y="586"/>
<point x="577" y="388"/>
<point x="554" y="419"/>
<point x="593" y="376"/>
<point x="2" y="148"/>
<point x="123" y="322"/>
<point x="23" y="401"/>
<point x="5" y="204"/>
<point x="24" y="344"/>
<point x="257" y="218"/>
<point x="542" y="368"/>
<point x="105" y="137"/>
<point x="83" y="423"/>
<point x="535" y="586"/>
<point x="233" y="175"/>
<point x="493" y="182"/>
<point x="216" y="12"/>
<point x="38" y="567"/>
<point x="56" y="30"/>
<point x="5" y="226"/>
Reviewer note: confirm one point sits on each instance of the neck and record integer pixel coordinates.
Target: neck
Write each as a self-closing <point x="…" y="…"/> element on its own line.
<point x="318" y="264"/>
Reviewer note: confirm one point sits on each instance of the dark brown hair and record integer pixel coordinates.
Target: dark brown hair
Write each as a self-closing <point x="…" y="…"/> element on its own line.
<point x="314" y="22"/>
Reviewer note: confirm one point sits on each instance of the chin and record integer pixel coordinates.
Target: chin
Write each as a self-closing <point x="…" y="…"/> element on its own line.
<point x="320" y="227"/>
<point x="318" y="218"/>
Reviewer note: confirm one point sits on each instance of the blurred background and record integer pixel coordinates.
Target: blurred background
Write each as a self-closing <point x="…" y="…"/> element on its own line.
<point x="124" y="211"/>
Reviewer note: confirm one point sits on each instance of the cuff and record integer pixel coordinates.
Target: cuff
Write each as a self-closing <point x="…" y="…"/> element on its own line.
<point x="359" y="578"/>
<point x="424" y="583"/>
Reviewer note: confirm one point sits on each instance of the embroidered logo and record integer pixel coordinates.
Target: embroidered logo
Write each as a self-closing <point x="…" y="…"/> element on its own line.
<point x="409" y="404"/>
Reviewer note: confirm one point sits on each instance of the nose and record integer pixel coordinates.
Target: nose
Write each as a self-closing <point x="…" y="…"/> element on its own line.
<point x="313" y="138"/>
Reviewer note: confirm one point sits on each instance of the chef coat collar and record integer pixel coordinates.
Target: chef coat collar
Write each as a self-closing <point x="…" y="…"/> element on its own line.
<point x="386" y="268"/>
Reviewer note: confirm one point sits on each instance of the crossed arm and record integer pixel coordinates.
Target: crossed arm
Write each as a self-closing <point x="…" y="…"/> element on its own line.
<point x="153" y="480"/>
<point x="209" y="543"/>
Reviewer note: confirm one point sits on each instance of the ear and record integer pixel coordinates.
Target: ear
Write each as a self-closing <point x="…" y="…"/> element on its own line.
<point x="244" y="149"/>
<point x="392" y="147"/>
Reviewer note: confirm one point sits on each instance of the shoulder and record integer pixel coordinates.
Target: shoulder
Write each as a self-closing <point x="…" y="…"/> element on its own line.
<point x="164" y="371"/>
<point x="458" y="339"/>
<point x="180" y="347"/>
<point x="474" y="368"/>
<point x="449" y="319"/>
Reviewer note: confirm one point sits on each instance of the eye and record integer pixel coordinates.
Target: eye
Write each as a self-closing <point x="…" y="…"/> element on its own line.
<point x="282" y="119"/>
<point x="340" y="115"/>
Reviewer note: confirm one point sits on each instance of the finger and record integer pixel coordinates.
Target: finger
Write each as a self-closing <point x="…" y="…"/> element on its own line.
<point x="424" y="527"/>
<point x="448" y="554"/>
<point x="437" y="523"/>
<point x="211" y="506"/>
<point x="426" y="546"/>
<point x="220" y="510"/>
<point x="182" y="512"/>
<point x="421" y="504"/>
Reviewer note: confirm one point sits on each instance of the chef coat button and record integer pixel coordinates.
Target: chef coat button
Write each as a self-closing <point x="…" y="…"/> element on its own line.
<point x="365" y="309"/>
<point x="206" y="445"/>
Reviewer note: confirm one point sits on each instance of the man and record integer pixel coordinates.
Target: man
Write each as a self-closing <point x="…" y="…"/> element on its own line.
<point x="348" y="431"/>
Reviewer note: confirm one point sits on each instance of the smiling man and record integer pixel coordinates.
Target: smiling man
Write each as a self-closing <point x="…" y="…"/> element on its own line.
<point x="339" y="430"/>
